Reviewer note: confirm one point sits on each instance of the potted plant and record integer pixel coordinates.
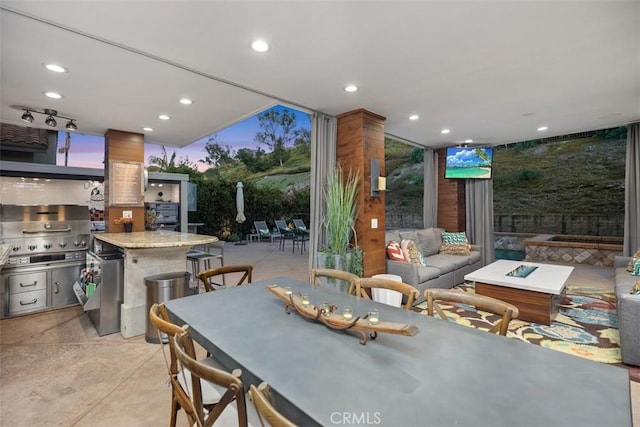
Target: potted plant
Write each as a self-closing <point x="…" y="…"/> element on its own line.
<point x="126" y="222"/>
<point x="341" y="209"/>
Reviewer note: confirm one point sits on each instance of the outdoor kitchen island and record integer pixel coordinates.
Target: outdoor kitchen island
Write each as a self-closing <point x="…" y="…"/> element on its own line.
<point x="147" y="253"/>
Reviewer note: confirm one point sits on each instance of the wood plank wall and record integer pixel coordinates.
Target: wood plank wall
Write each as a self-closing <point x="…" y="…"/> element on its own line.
<point x="121" y="146"/>
<point x="451" y="199"/>
<point x="360" y="138"/>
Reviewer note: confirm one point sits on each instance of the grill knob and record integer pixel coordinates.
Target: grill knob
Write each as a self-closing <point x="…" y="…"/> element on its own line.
<point x="76" y="243"/>
<point x="16" y="248"/>
<point x="47" y="245"/>
<point x="32" y="247"/>
<point x="62" y="244"/>
<point x="83" y="244"/>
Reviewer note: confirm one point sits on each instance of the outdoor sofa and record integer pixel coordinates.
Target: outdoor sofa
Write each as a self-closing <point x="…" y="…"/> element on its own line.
<point x="442" y="270"/>
<point x="628" y="307"/>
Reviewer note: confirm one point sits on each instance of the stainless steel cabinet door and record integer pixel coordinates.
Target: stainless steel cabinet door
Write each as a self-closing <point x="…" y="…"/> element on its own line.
<point x="61" y="285"/>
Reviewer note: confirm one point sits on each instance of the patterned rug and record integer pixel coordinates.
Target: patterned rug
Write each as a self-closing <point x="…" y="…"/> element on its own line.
<point x="586" y="324"/>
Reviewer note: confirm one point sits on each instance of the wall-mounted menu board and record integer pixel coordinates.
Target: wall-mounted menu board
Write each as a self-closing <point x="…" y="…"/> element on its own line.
<point x="126" y="184"/>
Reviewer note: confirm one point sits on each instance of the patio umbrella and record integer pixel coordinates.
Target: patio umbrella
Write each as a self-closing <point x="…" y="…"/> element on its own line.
<point x="240" y="218"/>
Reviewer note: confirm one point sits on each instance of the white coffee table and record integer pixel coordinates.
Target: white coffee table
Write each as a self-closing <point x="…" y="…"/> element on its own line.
<point x="535" y="295"/>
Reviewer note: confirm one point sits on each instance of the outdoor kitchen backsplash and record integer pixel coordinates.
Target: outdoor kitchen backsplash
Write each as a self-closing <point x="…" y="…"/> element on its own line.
<point x="40" y="191"/>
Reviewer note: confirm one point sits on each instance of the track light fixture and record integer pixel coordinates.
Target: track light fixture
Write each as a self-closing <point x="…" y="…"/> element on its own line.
<point x="51" y="118"/>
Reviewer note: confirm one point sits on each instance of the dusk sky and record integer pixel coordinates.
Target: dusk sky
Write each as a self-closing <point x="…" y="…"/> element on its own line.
<point x="88" y="150"/>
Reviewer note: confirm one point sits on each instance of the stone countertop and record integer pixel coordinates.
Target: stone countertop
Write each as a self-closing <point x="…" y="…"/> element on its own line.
<point x="4" y="254"/>
<point x="154" y="239"/>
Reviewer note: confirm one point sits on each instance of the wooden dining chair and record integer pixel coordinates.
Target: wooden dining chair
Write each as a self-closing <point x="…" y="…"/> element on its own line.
<point x="363" y="284"/>
<point x="263" y="402"/>
<point x="206" y="276"/>
<point x="192" y="400"/>
<point x="318" y="274"/>
<point x="180" y="381"/>
<point x="480" y="302"/>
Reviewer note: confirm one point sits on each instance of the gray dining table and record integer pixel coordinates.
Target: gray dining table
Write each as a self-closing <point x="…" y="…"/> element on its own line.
<point x="446" y="375"/>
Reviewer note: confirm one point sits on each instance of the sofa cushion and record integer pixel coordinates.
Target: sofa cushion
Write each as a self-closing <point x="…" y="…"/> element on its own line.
<point x="474" y="257"/>
<point x="446" y="263"/>
<point x="427" y="273"/>
<point x="427" y="242"/>
<point x="394" y="252"/>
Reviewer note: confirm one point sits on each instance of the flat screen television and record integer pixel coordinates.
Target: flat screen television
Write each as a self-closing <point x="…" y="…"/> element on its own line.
<point x="468" y="162"/>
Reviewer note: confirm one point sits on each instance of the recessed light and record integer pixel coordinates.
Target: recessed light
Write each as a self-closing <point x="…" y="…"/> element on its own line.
<point x="147" y="129"/>
<point x="54" y="95"/>
<point x="163" y="117"/>
<point x="260" y="46"/>
<point x="185" y="101"/>
<point x="468" y="141"/>
<point x="445" y="131"/>
<point x="351" y="88"/>
<point x="542" y="128"/>
<point x="414" y="117"/>
<point x="55" y="68"/>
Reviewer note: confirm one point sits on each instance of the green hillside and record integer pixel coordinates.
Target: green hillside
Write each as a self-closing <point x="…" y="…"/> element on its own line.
<point x="579" y="176"/>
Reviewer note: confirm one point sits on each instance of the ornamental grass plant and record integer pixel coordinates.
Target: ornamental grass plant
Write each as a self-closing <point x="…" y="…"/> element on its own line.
<point x="340" y="216"/>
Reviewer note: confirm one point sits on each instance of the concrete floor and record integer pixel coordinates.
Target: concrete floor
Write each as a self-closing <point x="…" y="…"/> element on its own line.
<point x="56" y="370"/>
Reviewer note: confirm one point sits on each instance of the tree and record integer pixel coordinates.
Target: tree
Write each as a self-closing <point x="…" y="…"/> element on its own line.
<point x="217" y="153"/>
<point x="168" y="164"/>
<point x="278" y="131"/>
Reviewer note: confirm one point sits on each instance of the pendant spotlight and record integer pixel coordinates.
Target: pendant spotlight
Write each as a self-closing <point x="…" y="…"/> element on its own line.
<point x="51" y="118"/>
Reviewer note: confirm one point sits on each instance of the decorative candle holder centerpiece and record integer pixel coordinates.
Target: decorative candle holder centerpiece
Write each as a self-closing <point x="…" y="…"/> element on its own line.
<point x="367" y="327"/>
<point x="126" y="222"/>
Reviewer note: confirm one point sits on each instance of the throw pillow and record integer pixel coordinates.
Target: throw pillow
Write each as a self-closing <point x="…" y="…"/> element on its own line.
<point x="636" y="289"/>
<point x="455" y="244"/>
<point x="632" y="260"/>
<point x="636" y="267"/>
<point x="394" y="252"/>
<point x="411" y="251"/>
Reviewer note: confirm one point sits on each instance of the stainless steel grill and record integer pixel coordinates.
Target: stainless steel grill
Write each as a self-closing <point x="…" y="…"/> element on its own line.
<point x="49" y="245"/>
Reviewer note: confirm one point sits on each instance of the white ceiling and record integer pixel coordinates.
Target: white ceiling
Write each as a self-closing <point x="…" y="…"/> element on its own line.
<point x="492" y="71"/>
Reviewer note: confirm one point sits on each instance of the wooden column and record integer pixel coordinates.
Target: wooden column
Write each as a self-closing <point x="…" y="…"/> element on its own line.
<point x="451" y="199"/>
<point x="360" y="138"/>
<point x="121" y="146"/>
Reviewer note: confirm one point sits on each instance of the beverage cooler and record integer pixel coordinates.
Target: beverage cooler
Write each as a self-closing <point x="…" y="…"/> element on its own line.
<point x="100" y="290"/>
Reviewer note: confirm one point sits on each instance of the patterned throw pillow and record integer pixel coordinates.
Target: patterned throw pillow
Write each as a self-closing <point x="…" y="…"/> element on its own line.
<point x="411" y="251"/>
<point x="394" y="252"/>
<point x="636" y="289"/>
<point x="636" y="267"/>
<point x="455" y="244"/>
<point x="632" y="260"/>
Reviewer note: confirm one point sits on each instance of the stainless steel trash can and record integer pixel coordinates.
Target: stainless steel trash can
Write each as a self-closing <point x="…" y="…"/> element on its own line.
<point x="161" y="288"/>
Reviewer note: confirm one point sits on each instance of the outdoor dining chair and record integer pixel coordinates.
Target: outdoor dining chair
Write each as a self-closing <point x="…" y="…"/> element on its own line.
<point x="362" y="284"/>
<point x="180" y="380"/>
<point x="320" y="276"/>
<point x="205" y="277"/>
<point x="507" y="311"/>
<point x="192" y="401"/>
<point x="263" y="401"/>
